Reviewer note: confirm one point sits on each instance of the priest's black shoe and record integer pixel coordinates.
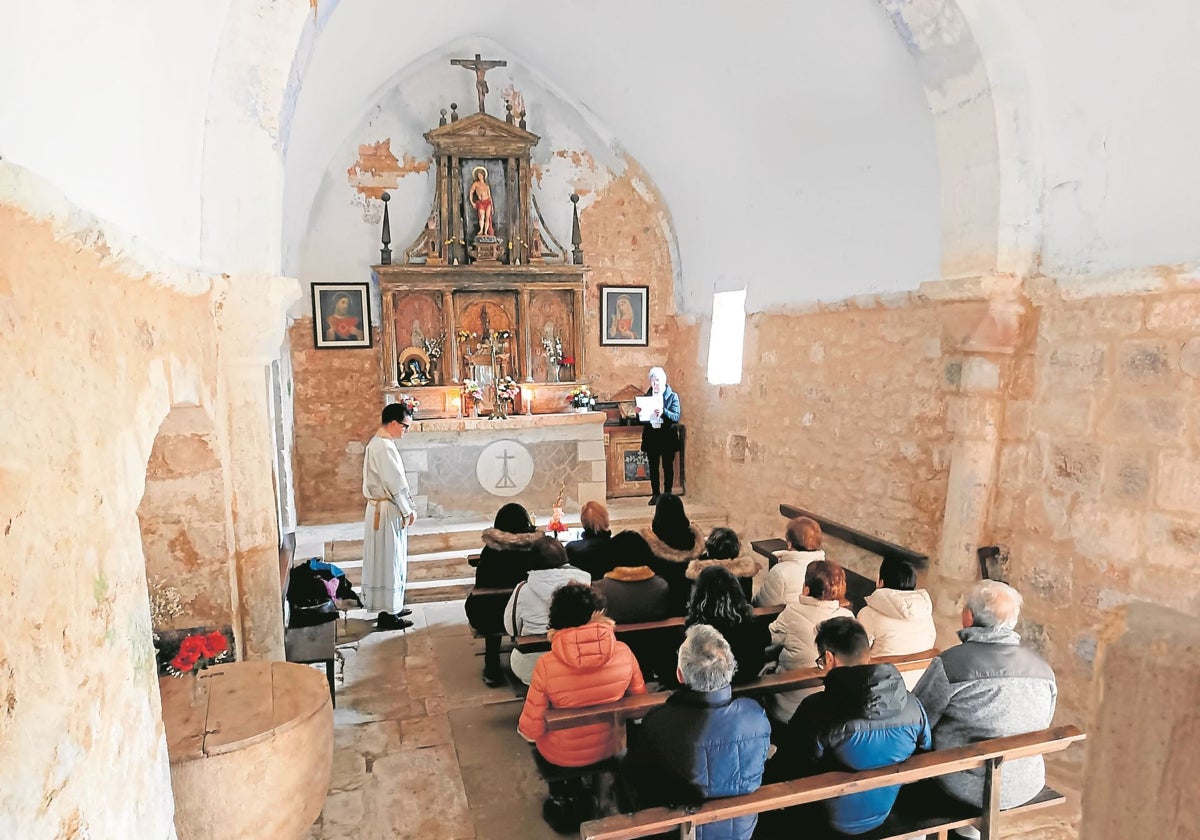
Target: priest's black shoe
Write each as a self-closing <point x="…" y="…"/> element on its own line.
<point x="653" y="500"/>
<point x="387" y="621"/>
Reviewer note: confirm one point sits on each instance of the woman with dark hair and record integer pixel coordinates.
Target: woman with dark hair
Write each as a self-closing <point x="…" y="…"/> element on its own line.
<point x="719" y="601"/>
<point x="505" y="561"/>
<point x="593" y="552"/>
<point x="586" y="665"/>
<point x="898" y="617"/>
<point x="724" y="549"/>
<point x="674" y="543"/>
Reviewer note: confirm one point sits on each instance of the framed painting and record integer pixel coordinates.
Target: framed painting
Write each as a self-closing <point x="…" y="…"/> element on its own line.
<point x="341" y="315"/>
<point x="624" y="315"/>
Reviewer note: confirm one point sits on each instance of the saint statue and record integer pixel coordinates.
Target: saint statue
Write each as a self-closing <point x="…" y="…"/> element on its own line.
<point x="481" y="199"/>
<point x="417" y="339"/>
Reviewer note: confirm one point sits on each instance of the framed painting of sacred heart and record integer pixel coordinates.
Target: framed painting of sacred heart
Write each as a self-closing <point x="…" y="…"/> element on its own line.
<point x="341" y="315"/>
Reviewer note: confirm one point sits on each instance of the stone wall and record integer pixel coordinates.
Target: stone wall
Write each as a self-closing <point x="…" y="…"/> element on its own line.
<point x="90" y="354"/>
<point x="842" y="411"/>
<point x="182" y="521"/>
<point x="1098" y="489"/>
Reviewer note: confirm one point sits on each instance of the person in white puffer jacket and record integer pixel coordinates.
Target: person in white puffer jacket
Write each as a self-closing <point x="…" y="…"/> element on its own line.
<point x="796" y="630"/>
<point x="785" y="582"/>
<point x="528" y="609"/>
<point x="899" y="617"/>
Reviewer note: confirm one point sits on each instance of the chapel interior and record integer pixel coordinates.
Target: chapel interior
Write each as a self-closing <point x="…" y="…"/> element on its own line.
<point x="929" y="268"/>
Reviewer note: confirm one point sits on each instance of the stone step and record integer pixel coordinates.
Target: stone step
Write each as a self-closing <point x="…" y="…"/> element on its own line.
<point x="421" y="568"/>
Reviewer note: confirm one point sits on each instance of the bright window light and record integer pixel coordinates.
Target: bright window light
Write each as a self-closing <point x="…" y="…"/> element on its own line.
<point x="728" y="335"/>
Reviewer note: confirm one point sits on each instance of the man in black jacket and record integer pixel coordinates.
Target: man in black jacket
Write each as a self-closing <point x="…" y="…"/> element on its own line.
<point x="865" y="718"/>
<point x="660" y="438"/>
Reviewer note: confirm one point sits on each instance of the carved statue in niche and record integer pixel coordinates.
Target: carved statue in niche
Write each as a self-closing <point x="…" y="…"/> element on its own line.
<point x="481" y="198"/>
<point x="414" y="368"/>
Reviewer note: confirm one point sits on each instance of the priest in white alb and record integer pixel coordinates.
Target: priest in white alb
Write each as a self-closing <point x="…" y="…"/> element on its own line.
<point x="390" y="512"/>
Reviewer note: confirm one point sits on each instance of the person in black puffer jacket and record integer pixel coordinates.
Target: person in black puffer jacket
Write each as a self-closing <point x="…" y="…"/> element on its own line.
<point x="674" y="542"/>
<point x="505" y="561"/>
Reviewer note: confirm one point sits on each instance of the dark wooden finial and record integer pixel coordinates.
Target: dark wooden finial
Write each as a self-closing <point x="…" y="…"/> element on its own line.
<point x="453" y="112"/>
<point x="385" y="253"/>
<point x="508" y="117"/>
<point x="521" y="124"/>
<point x="576" y="236"/>
<point x="442" y="121"/>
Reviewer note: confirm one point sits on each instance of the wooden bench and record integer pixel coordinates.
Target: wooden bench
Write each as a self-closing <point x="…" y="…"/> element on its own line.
<point x="908" y="820"/>
<point x="533" y="644"/>
<point x="638" y="705"/>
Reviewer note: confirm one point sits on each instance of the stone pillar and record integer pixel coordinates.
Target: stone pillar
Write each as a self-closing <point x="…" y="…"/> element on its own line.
<point x="1142" y="762"/>
<point x="251" y="320"/>
<point x="974" y="416"/>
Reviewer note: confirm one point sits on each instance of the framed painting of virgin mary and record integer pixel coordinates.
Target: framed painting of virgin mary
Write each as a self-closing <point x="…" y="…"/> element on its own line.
<point x="624" y="315"/>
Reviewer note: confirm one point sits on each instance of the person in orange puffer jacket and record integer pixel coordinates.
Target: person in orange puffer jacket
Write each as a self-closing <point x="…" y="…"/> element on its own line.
<point x="586" y="665"/>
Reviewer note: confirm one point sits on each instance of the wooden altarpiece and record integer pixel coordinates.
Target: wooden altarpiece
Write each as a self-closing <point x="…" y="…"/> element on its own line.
<point x="485" y="288"/>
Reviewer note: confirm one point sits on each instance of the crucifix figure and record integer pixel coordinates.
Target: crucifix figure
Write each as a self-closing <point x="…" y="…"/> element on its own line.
<point x="480" y="67"/>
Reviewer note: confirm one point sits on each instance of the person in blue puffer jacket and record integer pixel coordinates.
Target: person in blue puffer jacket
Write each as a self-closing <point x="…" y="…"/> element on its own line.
<point x="701" y="743"/>
<point x="865" y="718"/>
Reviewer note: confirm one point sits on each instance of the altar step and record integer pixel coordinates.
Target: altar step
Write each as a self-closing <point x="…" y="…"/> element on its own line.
<point x="438" y="549"/>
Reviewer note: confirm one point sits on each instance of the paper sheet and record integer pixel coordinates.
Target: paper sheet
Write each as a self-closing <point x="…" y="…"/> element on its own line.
<point x="648" y="405"/>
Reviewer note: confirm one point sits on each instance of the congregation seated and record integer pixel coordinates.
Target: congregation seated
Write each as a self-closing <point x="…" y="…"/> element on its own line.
<point x="796" y="628"/>
<point x="864" y="719"/>
<point x="631" y="590"/>
<point x="505" y="561"/>
<point x="990" y="686"/>
<point x="898" y="617"/>
<point x="723" y="548"/>
<point x="701" y="743"/>
<point x="719" y="601"/>
<point x="593" y="552"/>
<point x="586" y="665"/>
<point x="674" y="543"/>
<point x="528" y="609"/>
<point x="785" y="580"/>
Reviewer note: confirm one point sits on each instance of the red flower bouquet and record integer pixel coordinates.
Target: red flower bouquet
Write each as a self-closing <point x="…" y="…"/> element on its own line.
<point x="197" y="652"/>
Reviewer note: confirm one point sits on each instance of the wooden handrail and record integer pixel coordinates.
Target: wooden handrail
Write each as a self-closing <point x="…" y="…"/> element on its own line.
<point x="829" y="785"/>
<point x="858" y="538"/>
<point x="632" y="708"/>
<point x="531" y="644"/>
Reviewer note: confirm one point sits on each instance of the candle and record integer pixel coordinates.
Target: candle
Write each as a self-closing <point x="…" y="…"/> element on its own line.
<point x="457" y="403"/>
<point x="528" y="398"/>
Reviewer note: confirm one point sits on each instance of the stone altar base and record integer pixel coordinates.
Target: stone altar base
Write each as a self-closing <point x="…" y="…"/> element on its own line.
<point x="472" y="466"/>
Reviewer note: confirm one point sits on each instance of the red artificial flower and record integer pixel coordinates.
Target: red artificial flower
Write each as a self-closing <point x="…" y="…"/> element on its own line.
<point x="193" y="646"/>
<point x="214" y="644"/>
<point x="184" y="661"/>
<point x="568" y="360"/>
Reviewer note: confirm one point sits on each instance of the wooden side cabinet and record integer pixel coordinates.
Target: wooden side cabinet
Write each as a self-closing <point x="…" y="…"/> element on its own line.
<point x="628" y="468"/>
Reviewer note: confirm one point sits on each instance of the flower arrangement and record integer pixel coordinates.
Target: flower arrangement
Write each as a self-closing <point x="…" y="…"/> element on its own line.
<point x="581" y="396"/>
<point x="470" y="389"/>
<point x="412" y="402"/>
<point x="197" y="652"/>
<point x="464" y="336"/>
<point x="568" y="360"/>
<point x="554" y="350"/>
<point x="433" y="346"/>
<point x="507" y="388"/>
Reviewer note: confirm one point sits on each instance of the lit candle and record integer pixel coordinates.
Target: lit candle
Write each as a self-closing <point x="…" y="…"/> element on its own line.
<point x="457" y="403"/>
<point x="529" y="402"/>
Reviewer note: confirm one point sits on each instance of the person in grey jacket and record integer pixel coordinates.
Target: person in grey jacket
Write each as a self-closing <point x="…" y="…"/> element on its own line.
<point x="528" y="609"/>
<point x="989" y="687"/>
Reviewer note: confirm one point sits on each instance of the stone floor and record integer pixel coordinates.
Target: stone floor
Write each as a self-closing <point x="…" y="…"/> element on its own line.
<point x="422" y="749"/>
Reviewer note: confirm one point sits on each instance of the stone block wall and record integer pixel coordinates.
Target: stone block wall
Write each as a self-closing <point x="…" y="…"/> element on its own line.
<point x="842" y="411"/>
<point x="1098" y="480"/>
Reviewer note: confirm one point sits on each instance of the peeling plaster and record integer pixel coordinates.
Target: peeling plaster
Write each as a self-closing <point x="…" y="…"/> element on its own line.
<point x="377" y="168"/>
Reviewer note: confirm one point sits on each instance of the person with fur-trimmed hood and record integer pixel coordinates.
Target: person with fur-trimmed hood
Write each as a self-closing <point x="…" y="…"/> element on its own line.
<point x="674" y="543"/>
<point x="724" y="549"/>
<point x="632" y="591"/>
<point x="505" y="561"/>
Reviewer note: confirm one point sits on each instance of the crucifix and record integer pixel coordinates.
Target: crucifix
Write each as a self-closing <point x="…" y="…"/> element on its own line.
<point x="480" y="67"/>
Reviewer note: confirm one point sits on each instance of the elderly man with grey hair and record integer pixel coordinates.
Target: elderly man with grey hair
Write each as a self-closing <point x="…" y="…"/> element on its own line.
<point x="988" y="687"/>
<point x="702" y="743"/>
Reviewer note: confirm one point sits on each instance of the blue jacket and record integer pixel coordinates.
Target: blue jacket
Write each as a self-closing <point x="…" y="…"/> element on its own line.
<point x="698" y="746"/>
<point x="665" y="438"/>
<point x="865" y="718"/>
